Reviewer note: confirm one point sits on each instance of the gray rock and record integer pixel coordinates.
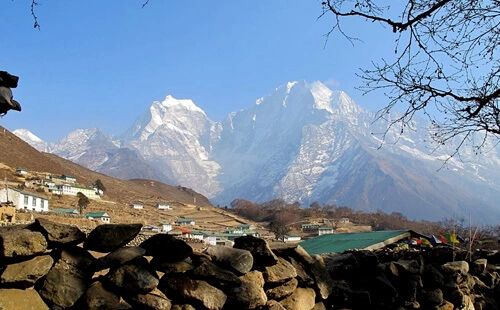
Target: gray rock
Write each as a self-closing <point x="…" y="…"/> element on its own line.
<point x="109" y="237"/>
<point x="21" y="300"/>
<point x="59" y="235"/>
<point x="21" y="243"/>
<point x="195" y="292"/>
<point x="132" y="279"/>
<point x="236" y="259"/>
<point x="261" y="252"/>
<point x="25" y="274"/>
<point x="166" y="248"/>
<point x="69" y="278"/>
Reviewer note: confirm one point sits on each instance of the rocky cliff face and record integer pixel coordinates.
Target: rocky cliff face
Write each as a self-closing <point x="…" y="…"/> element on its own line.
<point x="47" y="265"/>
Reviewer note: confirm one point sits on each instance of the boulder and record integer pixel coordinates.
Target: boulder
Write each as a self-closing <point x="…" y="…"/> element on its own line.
<point x="17" y="243"/>
<point x="25" y="274"/>
<point x="461" y="267"/>
<point x="237" y="260"/>
<point x="280" y="272"/>
<point x="208" y="271"/>
<point x="273" y="305"/>
<point x="132" y="279"/>
<point x="261" y="252"/>
<point x="281" y="291"/>
<point x="250" y="294"/>
<point x="109" y="237"/>
<point x="301" y="298"/>
<point x="97" y="297"/>
<point x="120" y="257"/>
<point x="166" y="248"/>
<point x="149" y="302"/>
<point x="198" y="293"/>
<point x="322" y="280"/>
<point x="59" y="235"/>
<point x="171" y="267"/>
<point x="69" y="278"/>
<point x="21" y="300"/>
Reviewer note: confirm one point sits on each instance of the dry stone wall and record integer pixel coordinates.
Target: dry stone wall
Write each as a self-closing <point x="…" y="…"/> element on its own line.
<point x="47" y="265"/>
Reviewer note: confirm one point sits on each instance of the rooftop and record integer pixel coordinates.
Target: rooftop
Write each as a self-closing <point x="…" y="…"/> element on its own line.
<point x="338" y="243"/>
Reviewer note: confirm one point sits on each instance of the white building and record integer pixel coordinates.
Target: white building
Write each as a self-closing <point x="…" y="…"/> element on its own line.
<point x="165" y="227"/>
<point x="137" y="206"/>
<point x="24" y="200"/>
<point x="67" y="189"/>
<point x="163" y="206"/>
<point x="291" y="238"/>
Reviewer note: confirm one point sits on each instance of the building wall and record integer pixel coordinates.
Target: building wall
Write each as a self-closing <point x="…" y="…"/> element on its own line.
<point x="24" y="201"/>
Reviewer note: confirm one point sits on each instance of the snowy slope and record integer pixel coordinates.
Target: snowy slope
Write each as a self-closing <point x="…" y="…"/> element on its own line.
<point x="303" y="142"/>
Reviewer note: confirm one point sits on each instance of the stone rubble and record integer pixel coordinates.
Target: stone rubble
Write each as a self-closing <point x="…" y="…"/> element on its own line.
<point x="48" y="265"/>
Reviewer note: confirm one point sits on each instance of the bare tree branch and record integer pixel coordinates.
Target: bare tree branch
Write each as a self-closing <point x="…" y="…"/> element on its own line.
<point x="446" y="60"/>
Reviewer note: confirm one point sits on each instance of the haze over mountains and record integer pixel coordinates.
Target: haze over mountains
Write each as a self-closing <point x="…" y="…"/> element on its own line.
<point x="304" y="142"/>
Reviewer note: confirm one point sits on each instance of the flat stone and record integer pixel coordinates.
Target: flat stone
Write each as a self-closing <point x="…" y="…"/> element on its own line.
<point x="58" y="234"/>
<point x="25" y="274"/>
<point x="21" y="300"/>
<point x="109" y="237"/>
<point x="21" y="243"/>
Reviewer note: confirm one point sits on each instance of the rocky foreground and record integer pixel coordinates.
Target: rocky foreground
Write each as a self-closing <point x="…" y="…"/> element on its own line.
<point x="47" y="265"/>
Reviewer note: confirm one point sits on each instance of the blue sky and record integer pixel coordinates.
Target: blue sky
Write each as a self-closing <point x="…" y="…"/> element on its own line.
<point x="101" y="63"/>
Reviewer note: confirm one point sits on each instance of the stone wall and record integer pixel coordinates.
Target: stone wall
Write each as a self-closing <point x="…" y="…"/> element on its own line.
<point x="47" y="265"/>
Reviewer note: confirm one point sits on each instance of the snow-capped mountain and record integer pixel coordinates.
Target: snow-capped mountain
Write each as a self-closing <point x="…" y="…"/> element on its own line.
<point x="304" y="142"/>
<point x="32" y="139"/>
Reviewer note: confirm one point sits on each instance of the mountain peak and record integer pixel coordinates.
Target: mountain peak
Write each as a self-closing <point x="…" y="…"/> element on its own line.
<point x="184" y="104"/>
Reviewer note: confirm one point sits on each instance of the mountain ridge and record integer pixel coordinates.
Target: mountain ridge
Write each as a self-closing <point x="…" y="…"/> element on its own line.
<point x="305" y="142"/>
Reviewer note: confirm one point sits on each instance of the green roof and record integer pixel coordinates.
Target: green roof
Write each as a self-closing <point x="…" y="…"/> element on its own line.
<point x="97" y="214"/>
<point x="338" y="243"/>
<point x="75" y="211"/>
